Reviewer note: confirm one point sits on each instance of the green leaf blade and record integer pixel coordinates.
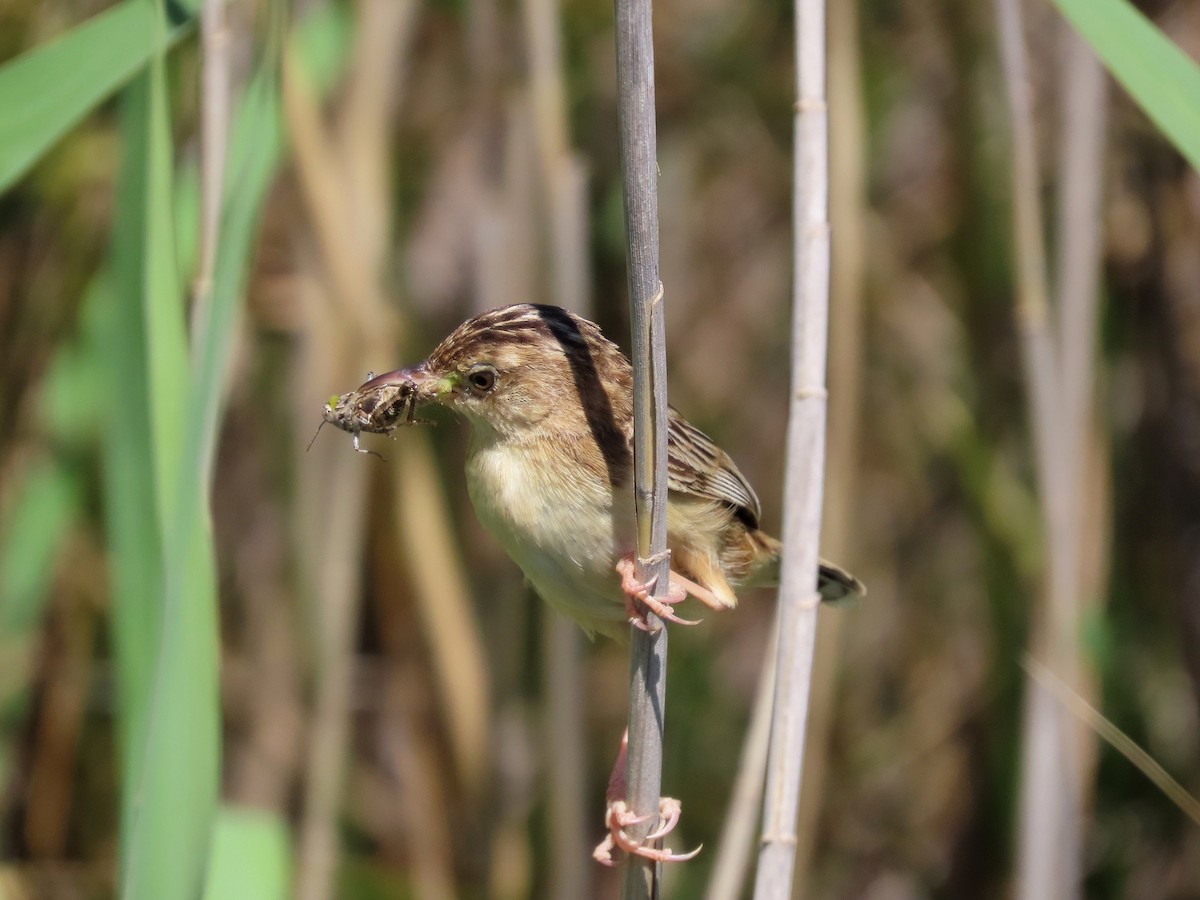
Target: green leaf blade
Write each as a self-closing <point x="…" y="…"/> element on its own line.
<point x="45" y="92"/>
<point x="1163" y="79"/>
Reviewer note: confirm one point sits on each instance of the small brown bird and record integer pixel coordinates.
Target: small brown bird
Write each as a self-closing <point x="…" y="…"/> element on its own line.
<point x="549" y="471"/>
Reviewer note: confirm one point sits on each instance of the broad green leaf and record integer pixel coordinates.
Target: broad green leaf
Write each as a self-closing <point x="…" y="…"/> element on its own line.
<point x="168" y="625"/>
<point x="1163" y="79"/>
<point x="46" y="91"/>
<point x="173" y="749"/>
<point x="184" y="711"/>
<point x="132" y="522"/>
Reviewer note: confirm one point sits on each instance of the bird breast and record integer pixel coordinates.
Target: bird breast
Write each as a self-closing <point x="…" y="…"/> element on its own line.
<point x="559" y="523"/>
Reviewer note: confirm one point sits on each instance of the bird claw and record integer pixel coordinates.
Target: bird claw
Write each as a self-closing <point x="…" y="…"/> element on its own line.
<point x="618" y="817"/>
<point x="669" y="810"/>
<point x="640" y="592"/>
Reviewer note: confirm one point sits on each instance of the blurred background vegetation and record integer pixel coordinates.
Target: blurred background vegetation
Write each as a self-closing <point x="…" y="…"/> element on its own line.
<point x="193" y="607"/>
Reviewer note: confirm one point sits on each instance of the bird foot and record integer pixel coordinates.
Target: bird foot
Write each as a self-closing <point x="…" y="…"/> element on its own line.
<point x="618" y="817"/>
<point x="640" y="592"/>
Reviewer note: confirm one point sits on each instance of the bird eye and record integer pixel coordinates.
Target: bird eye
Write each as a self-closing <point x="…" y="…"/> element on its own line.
<point x="482" y="379"/>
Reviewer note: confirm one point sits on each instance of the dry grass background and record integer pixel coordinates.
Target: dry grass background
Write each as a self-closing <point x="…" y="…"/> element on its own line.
<point x="383" y="669"/>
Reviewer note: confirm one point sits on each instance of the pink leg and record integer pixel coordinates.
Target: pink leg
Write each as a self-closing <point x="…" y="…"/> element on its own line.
<point x="638" y="592"/>
<point x="617" y="816"/>
<point x="690" y="588"/>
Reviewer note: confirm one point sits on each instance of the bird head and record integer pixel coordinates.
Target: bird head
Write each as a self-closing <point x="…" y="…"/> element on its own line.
<point x="518" y="369"/>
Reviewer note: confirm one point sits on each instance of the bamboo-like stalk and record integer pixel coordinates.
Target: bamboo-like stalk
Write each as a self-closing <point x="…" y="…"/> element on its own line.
<point x="798" y="598"/>
<point x="847" y="216"/>
<point x="648" y="651"/>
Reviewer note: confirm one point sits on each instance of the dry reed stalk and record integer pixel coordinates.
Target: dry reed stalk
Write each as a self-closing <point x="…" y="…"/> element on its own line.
<point x="648" y="651"/>
<point x="798" y="598"/>
<point x="1059" y="372"/>
<point x="847" y="214"/>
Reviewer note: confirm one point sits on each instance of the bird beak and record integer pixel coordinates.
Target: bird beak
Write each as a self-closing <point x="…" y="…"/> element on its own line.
<point x="430" y="387"/>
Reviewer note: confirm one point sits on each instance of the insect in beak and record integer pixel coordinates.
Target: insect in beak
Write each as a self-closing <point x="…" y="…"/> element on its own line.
<point x="379" y="406"/>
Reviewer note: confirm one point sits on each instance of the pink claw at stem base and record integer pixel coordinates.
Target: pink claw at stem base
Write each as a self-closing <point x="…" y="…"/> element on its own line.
<point x="618" y="816"/>
<point x="639" y="592"/>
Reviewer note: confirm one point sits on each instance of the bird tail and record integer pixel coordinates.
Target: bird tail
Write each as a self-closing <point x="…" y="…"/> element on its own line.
<point x="837" y="585"/>
<point x="834" y="583"/>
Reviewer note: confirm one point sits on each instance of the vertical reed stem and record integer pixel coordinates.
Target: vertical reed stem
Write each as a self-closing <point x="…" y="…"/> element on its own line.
<point x="648" y="652"/>
<point x="798" y="597"/>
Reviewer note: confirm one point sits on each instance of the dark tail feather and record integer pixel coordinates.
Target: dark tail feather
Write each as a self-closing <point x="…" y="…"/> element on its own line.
<point x="836" y="584"/>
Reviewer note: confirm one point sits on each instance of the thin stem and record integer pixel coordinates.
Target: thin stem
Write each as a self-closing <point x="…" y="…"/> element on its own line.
<point x="798" y="596"/>
<point x="648" y="652"/>
<point x="1118" y="739"/>
<point x="737" y="832"/>
<point x="839" y="531"/>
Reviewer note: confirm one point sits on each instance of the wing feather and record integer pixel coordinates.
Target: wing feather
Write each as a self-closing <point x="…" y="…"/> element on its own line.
<point x="697" y="466"/>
